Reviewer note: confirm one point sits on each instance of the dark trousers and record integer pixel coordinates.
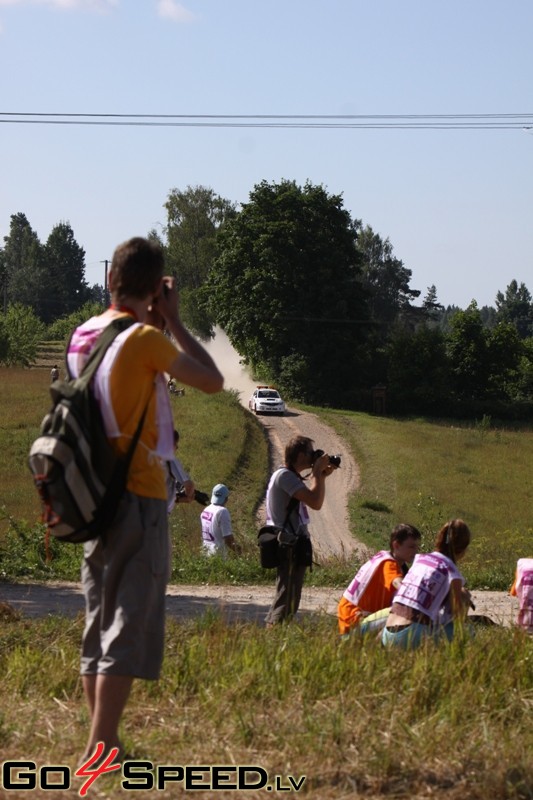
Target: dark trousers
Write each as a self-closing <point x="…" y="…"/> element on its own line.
<point x="289" y="583"/>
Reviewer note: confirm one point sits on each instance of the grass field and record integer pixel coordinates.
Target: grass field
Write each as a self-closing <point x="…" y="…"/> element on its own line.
<point x="357" y="721"/>
<point x="428" y="472"/>
<point x="353" y="720"/>
<point x="411" y="470"/>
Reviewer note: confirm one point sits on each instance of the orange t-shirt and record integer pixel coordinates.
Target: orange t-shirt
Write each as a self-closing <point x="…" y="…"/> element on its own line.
<point x="378" y="594"/>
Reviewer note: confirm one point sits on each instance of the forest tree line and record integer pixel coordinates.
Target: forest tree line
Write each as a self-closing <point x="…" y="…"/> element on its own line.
<point x="312" y="299"/>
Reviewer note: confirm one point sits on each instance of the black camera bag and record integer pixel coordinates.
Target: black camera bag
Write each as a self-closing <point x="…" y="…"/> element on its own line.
<point x="279" y="545"/>
<point x="267" y="540"/>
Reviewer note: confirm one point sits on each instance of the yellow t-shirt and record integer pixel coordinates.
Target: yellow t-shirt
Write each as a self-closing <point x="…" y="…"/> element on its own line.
<point x="145" y="353"/>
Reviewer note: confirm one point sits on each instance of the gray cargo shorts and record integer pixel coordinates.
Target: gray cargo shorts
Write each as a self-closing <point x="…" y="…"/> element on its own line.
<point x="124" y="583"/>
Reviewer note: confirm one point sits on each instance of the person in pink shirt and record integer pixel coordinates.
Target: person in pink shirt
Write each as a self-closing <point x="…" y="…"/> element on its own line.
<point x="523" y="589"/>
<point x="432" y="596"/>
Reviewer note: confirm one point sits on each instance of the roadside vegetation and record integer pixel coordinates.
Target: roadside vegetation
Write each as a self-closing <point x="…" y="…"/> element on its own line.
<point x="411" y="470"/>
<point x="356" y="721"/>
<point x="449" y="722"/>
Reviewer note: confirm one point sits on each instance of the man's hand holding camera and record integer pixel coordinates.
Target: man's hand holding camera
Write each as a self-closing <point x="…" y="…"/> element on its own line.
<point x="324" y="464"/>
<point x="167" y="301"/>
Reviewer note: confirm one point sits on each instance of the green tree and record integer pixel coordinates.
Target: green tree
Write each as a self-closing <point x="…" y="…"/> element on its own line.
<point x="418" y="375"/>
<point x="484" y="362"/>
<point x="64" y="288"/>
<point x="515" y="306"/>
<point x="154" y="236"/>
<point x="61" y="328"/>
<point x="194" y="218"/>
<point x="446" y="316"/>
<point x="524" y="382"/>
<point x="431" y="305"/>
<point x="488" y="316"/>
<point x="287" y="290"/>
<point x="386" y="277"/>
<point x="505" y="349"/>
<point x="3" y="280"/>
<point x="96" y="294"/>
<point x="23" y="262"/>
<point x="468" y="354"/>
<point x="20" y="333"/>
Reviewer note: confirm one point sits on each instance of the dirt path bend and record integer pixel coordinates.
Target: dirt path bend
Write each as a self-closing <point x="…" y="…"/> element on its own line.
<point x="329" y="527"/>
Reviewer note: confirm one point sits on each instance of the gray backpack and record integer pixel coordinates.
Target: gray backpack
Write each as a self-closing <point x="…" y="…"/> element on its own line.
<point x="79" y="477"/>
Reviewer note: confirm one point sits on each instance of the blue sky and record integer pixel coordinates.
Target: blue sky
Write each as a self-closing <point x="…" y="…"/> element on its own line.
<point x="456" y="204"/>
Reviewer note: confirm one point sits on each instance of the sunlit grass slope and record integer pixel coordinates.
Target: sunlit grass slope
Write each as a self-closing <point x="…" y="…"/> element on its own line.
<point x="411" y="470"/>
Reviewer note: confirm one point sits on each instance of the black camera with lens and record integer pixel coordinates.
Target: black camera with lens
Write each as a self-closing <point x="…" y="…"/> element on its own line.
<point x="200" y="497"/>
<point x="335" y="461"/>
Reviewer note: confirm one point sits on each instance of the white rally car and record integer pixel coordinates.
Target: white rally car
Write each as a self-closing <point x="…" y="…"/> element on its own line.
<point x="266" y="400"/>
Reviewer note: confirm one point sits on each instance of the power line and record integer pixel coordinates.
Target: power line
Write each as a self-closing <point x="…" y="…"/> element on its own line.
<point x="490" y="121"/>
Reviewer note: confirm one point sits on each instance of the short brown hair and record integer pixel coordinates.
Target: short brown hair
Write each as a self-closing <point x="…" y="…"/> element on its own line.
<point x="295" y="446"/>
<point x="402" y="532"/>
<point x="137" y="268"/>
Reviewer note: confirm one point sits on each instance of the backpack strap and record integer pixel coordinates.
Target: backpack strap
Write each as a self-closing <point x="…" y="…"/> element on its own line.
<point x="106" y="338"/>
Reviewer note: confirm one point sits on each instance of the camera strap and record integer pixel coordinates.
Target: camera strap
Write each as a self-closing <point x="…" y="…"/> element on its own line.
<point x="293" y="502"/>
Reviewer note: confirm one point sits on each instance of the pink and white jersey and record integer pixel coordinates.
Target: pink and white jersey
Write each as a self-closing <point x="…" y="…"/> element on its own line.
<point x="123" y="387"/>
<point x="358" y="586"/>
<point x="426" y="585"/>
<point x="524" y="592"/>
<point x="81" y="345"/>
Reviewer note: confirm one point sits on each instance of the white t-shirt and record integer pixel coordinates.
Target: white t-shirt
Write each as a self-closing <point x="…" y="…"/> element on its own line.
<point x="216" y="525"/>
<point x="427" y="584"/>
<point x="283" y="484"/>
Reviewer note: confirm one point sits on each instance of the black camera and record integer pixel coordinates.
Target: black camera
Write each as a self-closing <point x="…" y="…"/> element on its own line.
<point x="335" y="461"/>
<point x="200" y="497"/>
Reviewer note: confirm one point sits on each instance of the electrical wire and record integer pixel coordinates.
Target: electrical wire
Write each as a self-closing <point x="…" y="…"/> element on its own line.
<point x="490" y="121"/>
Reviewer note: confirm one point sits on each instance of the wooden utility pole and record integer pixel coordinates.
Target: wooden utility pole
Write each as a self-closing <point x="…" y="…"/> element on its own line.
<point x="106" y="290"/>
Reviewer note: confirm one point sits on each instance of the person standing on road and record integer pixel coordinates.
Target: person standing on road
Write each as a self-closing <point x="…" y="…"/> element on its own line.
<point x="217" y="535"/>
<point x="286" y="507"/>
<point x="124" y="571"/>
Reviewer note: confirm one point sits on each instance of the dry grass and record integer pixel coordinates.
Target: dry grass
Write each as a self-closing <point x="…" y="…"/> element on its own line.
<point x="448" y="722"/>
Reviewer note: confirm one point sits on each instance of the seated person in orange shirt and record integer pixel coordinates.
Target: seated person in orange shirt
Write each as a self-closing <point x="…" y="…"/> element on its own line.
<point x="376" y="583"/>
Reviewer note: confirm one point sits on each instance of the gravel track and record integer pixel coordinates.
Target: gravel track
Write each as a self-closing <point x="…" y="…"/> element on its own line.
<point x="329" y="528"/>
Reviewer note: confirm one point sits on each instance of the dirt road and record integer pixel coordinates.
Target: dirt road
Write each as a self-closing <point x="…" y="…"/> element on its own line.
<point x="329" y="527"/>
<point x="330" y="531"/>
<point x="235" y="603"/>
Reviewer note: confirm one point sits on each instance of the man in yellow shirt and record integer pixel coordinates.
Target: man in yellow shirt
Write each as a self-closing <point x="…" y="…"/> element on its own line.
<point x="124" y="572"/>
